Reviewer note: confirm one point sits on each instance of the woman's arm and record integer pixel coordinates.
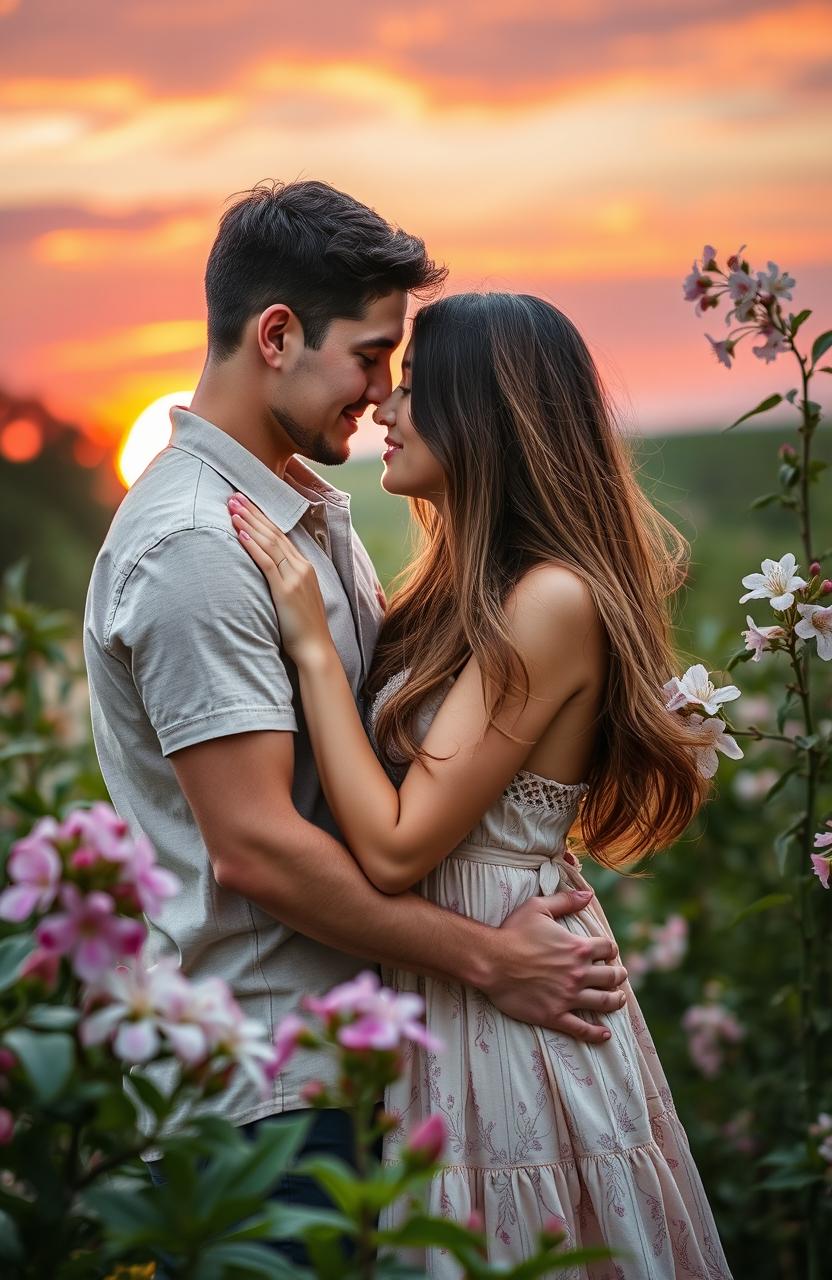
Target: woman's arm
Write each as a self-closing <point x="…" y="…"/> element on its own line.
<point x="398" y="836"/>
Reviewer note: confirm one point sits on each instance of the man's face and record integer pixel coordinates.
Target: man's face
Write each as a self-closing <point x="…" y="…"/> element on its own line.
<point x="322" y="394"/>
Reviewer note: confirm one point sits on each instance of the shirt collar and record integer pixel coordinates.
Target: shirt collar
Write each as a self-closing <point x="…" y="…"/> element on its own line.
<point x="284" y="501"/>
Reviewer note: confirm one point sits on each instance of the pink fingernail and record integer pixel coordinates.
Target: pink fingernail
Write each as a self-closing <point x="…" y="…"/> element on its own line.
<point x="244" y="535"/>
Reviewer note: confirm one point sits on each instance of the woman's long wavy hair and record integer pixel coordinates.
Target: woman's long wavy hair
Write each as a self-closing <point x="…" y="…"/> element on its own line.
<point x="508" y="399"/>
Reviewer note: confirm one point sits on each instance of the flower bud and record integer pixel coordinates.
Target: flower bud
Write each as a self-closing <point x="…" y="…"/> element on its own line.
<point x="553" y="1231"/>
<point x="41" y="967"/>
<point x="314" y="1094"/>
<point x="426" y="1142"/>
<point x="387" y="1121"/>
<point x="475" y="1222"/>
<point x="826" y="586"/>
<point x="6" y="1126"/>
<point x="787" y="452"/>
<point x="7" y="1061"/>
<point x="814" y="568"/>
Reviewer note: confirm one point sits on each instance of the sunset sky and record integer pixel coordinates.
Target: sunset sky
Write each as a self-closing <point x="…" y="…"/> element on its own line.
<point x="580" y="149"/>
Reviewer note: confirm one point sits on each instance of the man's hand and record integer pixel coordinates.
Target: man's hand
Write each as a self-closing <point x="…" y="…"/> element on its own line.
<point x="544" y="972"/>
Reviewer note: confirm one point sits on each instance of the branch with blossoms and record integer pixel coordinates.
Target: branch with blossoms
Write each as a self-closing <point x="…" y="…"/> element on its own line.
<point x="801" y="630"/>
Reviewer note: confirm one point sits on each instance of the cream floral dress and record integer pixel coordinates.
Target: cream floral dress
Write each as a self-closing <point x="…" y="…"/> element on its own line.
<point x="541" y="1124"/>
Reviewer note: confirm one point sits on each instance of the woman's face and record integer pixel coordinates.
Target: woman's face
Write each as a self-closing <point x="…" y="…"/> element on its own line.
<point x="410" y="469"/>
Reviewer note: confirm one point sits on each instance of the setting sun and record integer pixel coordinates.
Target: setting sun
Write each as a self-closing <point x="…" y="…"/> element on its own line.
<point x="148" y="436"/>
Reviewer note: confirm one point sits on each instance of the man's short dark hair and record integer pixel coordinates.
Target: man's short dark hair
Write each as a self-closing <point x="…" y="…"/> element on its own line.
<point x="321" y="252"/>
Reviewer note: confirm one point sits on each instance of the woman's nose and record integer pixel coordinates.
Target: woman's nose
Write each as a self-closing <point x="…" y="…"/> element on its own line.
<point x="384" y="416"/>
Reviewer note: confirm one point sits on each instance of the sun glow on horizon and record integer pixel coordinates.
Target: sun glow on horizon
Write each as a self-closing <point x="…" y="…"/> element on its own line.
<point x="149" y="435"/>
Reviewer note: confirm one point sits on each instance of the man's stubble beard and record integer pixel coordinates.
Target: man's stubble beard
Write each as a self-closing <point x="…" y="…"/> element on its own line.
<point x="309" y="443"/>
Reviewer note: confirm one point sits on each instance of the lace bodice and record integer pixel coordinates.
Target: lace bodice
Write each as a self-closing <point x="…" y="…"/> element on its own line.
<point x="533" y="811"/>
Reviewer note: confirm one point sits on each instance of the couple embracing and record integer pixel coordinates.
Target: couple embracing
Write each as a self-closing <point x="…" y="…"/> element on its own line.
<point x="341" y="784"/>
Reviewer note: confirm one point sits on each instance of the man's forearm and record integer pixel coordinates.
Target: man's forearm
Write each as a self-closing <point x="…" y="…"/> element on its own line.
<point x="337" y="905"/>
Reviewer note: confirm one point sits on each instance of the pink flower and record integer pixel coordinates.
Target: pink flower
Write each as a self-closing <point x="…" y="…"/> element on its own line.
<point x="153" y="884"/>
<point x="821" y="868"/>
<point x="36" y="868"/>
<point x="775" y="344"/>
<point x="823" y="839"/>
<point x="709" y="258"/>
<point x="130" y="1016"/>
<point x="90" y="933"/>
<point x="713" y="738"/>
<point x="346" y="999"/>
<point x="777" y="283"/>
<point x="554" y="1230"/>
<point x="709" y="1027"/>
<point x="756" y="638"/>
<point x="6" y="673"/>
<point x="427" y="1141"/>
<point x="724" y="350"/>
<point x="6" y="1126"/>
<point x="387" y="1020"/>
<point x="816" y="623"/>
<point x="286" y="1041"/>
<point x="99" y="828"/>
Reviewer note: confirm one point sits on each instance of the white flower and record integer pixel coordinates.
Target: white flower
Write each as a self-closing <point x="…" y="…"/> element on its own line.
<point x="816" y="620"/>
<point x="777" y="283"/>
<point x="775" y="344"/>
<point x="743" y="290"/>
<point x="777" y="583"/>
<point x="694" y="688"/>
<point x="131" y="1017"/>
<point x="713" y="738"/>
<point x="756" y="637"/>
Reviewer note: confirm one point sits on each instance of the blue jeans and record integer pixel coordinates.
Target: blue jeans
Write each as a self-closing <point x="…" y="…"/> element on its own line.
<point x="331" y="1133"/>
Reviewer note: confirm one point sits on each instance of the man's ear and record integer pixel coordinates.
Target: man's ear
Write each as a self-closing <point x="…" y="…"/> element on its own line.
<point x="279" y="335"/>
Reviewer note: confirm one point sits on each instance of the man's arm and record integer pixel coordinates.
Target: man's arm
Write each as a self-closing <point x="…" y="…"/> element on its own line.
<point x="533" y="969"/>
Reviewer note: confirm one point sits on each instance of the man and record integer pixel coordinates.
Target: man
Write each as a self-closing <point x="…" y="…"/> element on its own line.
<point x="197" y="719"/>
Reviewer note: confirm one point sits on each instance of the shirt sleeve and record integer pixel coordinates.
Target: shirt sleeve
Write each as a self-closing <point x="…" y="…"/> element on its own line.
<point x="196" y="625"/>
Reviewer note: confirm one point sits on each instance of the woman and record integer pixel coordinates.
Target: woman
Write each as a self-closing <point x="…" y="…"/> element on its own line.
<point x="517" y="697"/>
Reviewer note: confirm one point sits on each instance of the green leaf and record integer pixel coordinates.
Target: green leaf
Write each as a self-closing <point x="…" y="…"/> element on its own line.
<point x="47" y="1058"/>
<point x="271" y="1154"/>
<point x="821" y="345"/>
<point x="764" y="501"/>
<point x="147" y="1092"/>
<point x="788" y="475"/>
<point x="767" y="903"/>
<point x="784" y="711"/>
<point x="784" y="841"/>
<point x="337" y="1179"/>
<point x="816" y="467"/>
<point x="796" y="321"/>
<point x="11" y="1246"/>
<point x="781" y="782"/>
<point x="280" y="1221"/>
<point x="13" y="951"/>
<point x="825" y="368"/>
<point x="762" y="407"/>
<point x="252" y="1260"/>
<point x="742" y="655"/>
<point x="806" y="744"/>
<point x="52" y="1017"/>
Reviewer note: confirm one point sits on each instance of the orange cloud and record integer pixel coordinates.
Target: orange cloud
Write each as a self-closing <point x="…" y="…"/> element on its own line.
<point x="129" y="346"/>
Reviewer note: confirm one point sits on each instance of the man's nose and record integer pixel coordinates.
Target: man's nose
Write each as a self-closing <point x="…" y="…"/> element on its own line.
<point x="380" y="386"/>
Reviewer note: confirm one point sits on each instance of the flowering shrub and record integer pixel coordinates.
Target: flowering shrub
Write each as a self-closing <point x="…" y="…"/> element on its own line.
<point x="798" y="629"/>
<point x="79" y="1008"/>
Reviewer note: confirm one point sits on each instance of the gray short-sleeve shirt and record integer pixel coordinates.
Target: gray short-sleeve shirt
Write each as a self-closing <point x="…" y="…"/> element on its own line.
<point x="182" y="645"/>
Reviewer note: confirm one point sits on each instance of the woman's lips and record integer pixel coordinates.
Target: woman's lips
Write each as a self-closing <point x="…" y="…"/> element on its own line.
<point x="392" y="448"/>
